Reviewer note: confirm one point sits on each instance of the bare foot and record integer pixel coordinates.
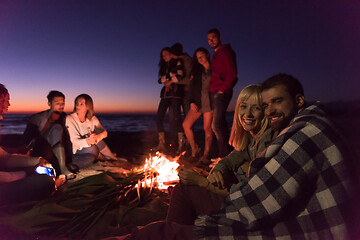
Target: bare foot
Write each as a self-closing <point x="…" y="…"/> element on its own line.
<point x="60" y="180"/>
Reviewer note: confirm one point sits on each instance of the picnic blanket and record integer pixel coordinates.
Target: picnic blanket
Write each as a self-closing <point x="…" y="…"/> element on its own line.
<point x="96" y="206"/>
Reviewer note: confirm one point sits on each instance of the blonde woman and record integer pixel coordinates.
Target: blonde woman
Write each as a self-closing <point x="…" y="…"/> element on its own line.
<point x="250" y="134"/>
<point x="86" y="133"/>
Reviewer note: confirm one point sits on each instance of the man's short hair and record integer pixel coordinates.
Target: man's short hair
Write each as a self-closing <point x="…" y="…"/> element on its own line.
<point x="176" y="49"/>
<point x="3" y="90"/>
<point x="215" y="31"/>
<point x="52" y="94"/>
<point x="293" y="86"/>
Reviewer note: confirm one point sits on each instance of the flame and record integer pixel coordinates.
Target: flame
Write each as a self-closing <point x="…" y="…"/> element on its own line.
<point x="160" y="172"/>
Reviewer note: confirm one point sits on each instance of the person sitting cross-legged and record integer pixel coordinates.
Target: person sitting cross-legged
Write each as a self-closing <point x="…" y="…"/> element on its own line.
<point x="87" y="134"/>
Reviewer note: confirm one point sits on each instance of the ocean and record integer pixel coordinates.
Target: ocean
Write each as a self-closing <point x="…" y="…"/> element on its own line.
<point x="16" y="123"/>
<point x="346" y="121"/>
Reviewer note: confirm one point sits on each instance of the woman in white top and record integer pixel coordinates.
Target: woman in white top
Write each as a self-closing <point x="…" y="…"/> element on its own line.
<point x="86" y="133"/>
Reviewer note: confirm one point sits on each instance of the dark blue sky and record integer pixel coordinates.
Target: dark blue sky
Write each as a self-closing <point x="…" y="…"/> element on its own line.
<point x="110" y="49"/>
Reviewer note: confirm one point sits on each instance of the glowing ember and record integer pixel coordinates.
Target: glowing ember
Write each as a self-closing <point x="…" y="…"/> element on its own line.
<point x="160" y="171"/>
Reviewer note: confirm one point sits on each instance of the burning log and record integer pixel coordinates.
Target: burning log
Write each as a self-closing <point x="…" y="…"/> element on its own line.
<point x="84" y="204"/>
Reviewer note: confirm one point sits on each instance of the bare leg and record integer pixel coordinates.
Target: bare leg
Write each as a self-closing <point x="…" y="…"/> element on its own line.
<point x="108" y="153"/>
<point x="189" y="121"/>
<point x="208" y="133"/>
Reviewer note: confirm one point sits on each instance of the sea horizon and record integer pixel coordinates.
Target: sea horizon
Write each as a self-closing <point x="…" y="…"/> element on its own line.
<point x="344" y="114"/>
<point x="15" y="123"/>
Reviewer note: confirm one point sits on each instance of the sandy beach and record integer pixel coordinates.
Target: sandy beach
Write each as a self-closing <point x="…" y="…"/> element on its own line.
<point x="120" y="218"/>
<point x="135" y="147"/>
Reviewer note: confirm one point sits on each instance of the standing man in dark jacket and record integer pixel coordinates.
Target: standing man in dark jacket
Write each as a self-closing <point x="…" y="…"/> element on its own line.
<point x="223" y="79"/>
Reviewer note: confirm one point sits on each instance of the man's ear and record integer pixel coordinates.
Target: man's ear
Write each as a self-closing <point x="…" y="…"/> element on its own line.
<point x="300" y="100"/>
<point x="49" y="103"/>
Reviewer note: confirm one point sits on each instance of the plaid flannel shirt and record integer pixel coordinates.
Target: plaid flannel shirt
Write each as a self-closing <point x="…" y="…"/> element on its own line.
<point x="298" y="188"/>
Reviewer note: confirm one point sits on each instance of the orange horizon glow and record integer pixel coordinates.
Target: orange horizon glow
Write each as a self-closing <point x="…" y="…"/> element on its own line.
<point x="20" y="104"/>
<point x="102" y="106"/>
<point x="97" y="112"/>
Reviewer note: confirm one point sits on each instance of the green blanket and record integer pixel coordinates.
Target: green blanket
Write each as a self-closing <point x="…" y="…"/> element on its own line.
<point x="97" y="206"/>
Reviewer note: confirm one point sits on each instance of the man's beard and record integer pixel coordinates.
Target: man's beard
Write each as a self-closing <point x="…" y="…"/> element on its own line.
<point x="278" y="126"/>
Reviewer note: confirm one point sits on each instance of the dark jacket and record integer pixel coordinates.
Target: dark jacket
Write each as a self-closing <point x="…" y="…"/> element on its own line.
<point x="224" y="70"/>
<point x="175" y="90"/>
<point x="196" y="84"/>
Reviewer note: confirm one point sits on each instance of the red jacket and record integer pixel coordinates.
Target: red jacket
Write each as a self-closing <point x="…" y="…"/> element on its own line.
<point x="223" y="70"/>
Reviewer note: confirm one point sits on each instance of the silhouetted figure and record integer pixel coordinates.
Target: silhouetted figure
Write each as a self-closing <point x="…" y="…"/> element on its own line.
<point x="223" y="79"/>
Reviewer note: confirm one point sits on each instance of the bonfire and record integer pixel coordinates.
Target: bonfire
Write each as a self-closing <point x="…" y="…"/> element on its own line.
<point x="84" y="204"/>
<point x="159" y="171"/>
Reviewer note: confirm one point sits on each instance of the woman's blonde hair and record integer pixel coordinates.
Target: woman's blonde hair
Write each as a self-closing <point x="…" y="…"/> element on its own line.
<point x="89" y="105"/>
<point x="239" y="138"/>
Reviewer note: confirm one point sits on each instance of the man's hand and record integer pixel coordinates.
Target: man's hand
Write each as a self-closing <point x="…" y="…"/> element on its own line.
<point x="54" y="116"/>
<point x="43" y="162"/>
<point x="217" y="179"/>
<point x="190" y="177"/>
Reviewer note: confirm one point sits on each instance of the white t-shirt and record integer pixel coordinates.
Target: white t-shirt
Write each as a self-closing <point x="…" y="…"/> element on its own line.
<point x="78" y="131"/>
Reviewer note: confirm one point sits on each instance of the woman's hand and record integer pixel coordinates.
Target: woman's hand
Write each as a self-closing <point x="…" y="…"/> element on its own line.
<point x="167" y="84"/>
<point x="98" y="137"/>
<point x="91" y="139"/>
<point x="217" y="179"/>
<point x="190" y="177"/>
<point x="163" y="79"/>
<point x="194" y="107"/>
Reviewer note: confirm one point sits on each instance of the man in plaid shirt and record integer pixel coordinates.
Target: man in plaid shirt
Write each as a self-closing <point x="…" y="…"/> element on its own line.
<point x="299" y="188"/>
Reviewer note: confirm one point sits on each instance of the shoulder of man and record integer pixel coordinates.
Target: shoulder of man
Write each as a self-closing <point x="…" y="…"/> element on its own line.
<point x="312" y="113"/>
<point x="225" y="51"/>
<point x="225" y="48"/>
<point x="310" y="123"/>
<point x="39" y="115"/>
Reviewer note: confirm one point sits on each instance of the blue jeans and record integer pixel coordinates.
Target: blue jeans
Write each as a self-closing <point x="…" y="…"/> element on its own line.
<point x="220" y="103"/>
<point x="88" y="155"/>
<point x="174" y="105"/>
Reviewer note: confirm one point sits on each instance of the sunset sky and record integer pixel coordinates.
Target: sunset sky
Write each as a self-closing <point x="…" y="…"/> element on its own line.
<point x="111" y="49"/>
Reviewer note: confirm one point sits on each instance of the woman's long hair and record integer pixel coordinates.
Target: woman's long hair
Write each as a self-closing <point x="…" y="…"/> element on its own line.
<point x="162" y="64"/>
<point x="89" y="105"/>
<point x="239" y="138"/>
<point x="198" y="69"/>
